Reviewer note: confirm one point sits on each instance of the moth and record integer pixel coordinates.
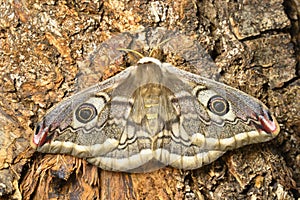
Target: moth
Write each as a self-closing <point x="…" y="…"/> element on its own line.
<point x="152" y="115"/>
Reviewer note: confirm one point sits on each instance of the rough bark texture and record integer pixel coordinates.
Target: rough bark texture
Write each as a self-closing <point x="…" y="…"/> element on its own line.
<point x="255" y="45"/>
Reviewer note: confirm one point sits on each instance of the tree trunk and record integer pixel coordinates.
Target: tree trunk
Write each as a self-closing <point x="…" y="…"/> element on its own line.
<point x="45" y="46"/>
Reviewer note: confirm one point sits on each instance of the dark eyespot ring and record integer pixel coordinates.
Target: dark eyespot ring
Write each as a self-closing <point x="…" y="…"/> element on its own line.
<point x="86" y="112"/>
<point x="218" y="105"/>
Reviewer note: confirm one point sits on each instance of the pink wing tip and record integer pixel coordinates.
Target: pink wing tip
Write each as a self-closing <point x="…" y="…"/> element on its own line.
<point x="269" y="123"/>
<point x="39" y="136"/>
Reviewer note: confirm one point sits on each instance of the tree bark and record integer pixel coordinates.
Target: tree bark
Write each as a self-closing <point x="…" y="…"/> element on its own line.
<point x="255" y="45"/>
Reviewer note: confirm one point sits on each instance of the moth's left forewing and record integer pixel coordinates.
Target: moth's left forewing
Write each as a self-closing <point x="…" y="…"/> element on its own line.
<point x="73" y="125"/>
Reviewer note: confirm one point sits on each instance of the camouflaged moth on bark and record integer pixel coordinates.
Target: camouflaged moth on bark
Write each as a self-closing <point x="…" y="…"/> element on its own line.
<point x="153" y="114"/>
